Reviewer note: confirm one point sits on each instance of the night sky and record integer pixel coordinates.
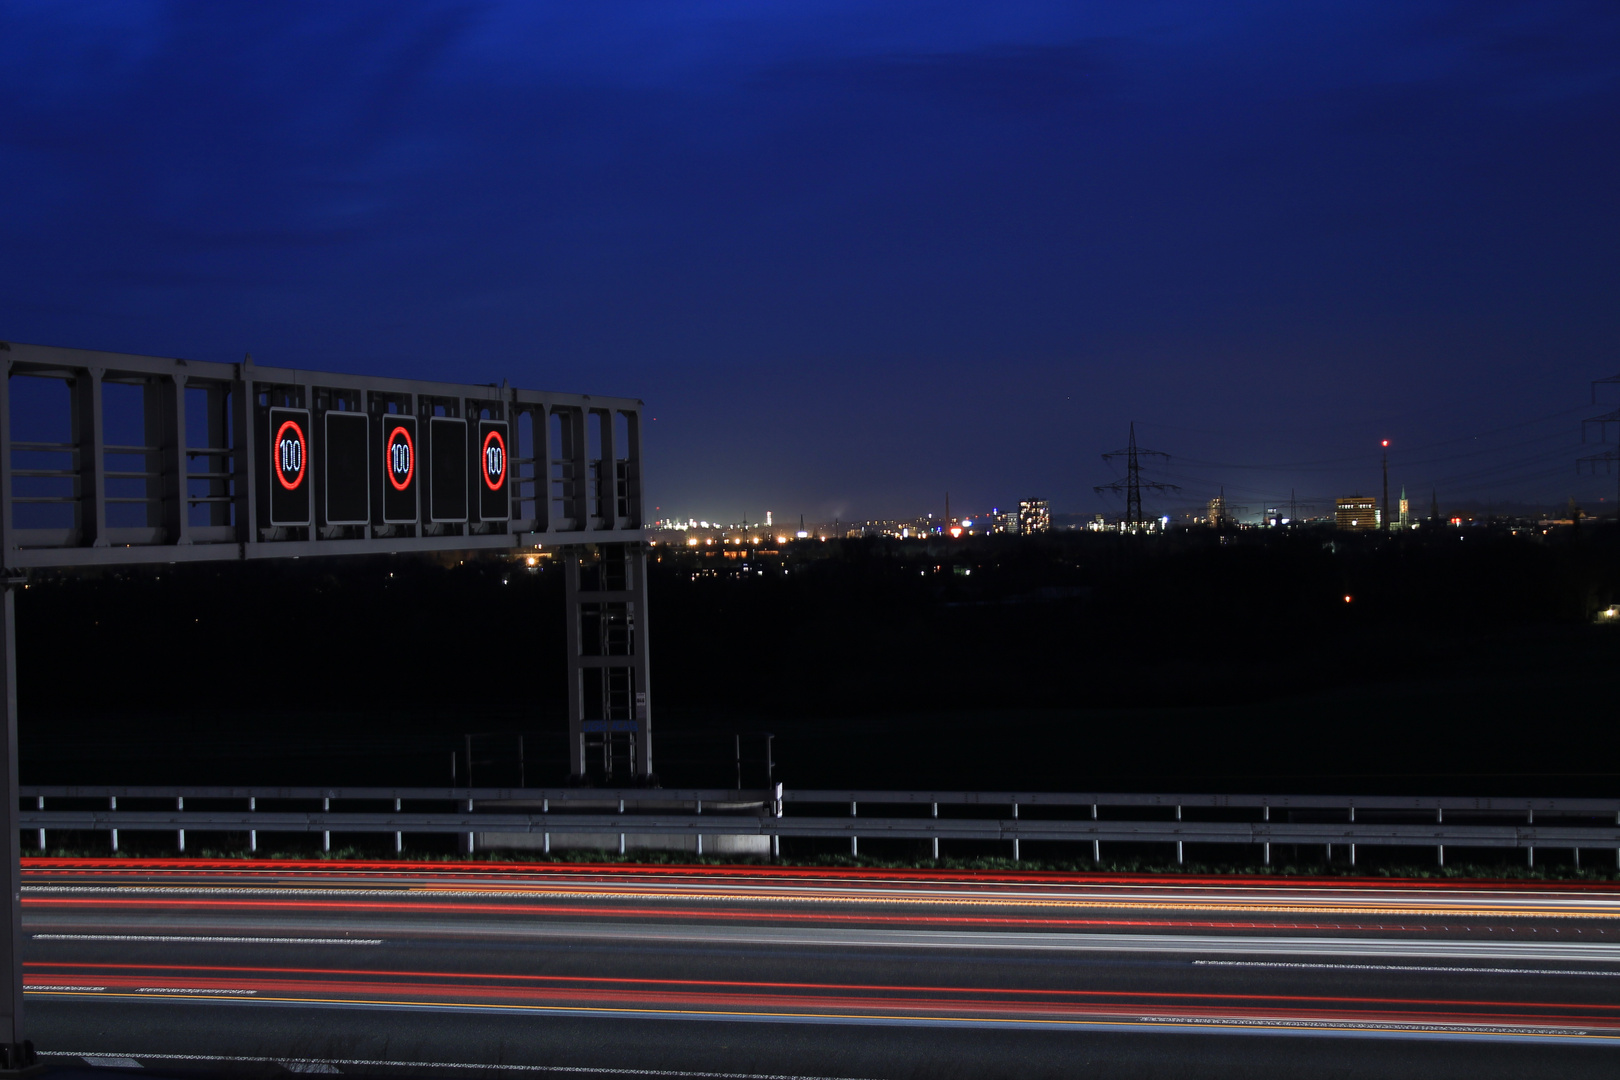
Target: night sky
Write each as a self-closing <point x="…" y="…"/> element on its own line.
<point x="855" y="255"/>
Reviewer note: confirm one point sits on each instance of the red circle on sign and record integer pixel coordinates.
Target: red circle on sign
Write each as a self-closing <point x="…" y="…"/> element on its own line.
<point x="303" y="455"/>
<point x="410" y="457"/>
<point x="501" y="477"/>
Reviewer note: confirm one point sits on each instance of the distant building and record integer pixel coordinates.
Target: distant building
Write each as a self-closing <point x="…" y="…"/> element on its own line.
<point x="1215" y="512"/>
<point x="1357" y="512"/>
<point x="1405" y="520"/>
<point x="1034" y="516"/>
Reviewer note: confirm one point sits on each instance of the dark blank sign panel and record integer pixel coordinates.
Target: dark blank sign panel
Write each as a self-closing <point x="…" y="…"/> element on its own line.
<point x="399" y="469"/>
<point x="494" y="497"/>
<point x="348" y="473"/>
<point x="447" y="469"/>
<point x="289" y="467"/>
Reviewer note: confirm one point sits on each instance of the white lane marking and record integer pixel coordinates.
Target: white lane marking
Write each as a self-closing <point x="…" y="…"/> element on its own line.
<point x="29" y="989"/>
<point x="1359" y="1025"/>
<point x="103" y="1061"/>
<point x="207" y="940"/>
<point x="1011" y="941"/>
<point x="187" y="990"/>
<point x="292" y="1063"/>
<point x="1020" y="941"/>
<point x="1402" y="967"/>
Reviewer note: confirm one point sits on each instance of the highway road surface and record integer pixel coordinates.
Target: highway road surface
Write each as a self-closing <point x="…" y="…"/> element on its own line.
<point x="602" y="971"/>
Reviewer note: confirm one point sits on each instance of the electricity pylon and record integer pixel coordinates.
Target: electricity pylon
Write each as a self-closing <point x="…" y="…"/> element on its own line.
<point x="1131" y="486"/>
<point x="1609" y="457"/>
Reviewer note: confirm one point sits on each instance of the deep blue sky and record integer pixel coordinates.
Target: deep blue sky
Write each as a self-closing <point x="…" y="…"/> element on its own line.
<point x="853" y="255"/>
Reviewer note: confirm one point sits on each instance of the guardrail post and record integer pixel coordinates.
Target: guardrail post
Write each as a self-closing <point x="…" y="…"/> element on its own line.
<point x="40" y="804"/>
<point x="399" y="837"/>
<point x="936" y="838"/>
<point x="470" y="834"/>
<point x="1531" y="850"/>
<point x="1265" y="856"/>
<point x="854" y="841"/>
<point x="326" y="834"/>
<point x="180" y="804"/>
<point x="1015" y="839"/>
<point x="253" y="834"/>
<point x="700" y="835"/>
<point x="1179" y="859"/>
<point x="545" y="808"/>
<point x="776" y="838"/>
<point x="621" y="835"/>
<point x="1096" y="845"/>
<point x="1352" y="845"/>
<point x="1440" y="817"/>
<point x="112" y="804"/>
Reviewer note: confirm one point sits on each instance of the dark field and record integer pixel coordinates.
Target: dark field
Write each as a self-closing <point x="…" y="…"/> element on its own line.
<point x="1466" y="662"/>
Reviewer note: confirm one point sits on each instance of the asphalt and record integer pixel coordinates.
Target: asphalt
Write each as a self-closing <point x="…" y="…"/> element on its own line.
<point x="189" y="968"/>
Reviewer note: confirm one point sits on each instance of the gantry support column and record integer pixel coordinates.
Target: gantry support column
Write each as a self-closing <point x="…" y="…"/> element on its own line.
<point x="15" y="1052"/>
<point x="609" y="687"/>
<point x="641" y="686"/>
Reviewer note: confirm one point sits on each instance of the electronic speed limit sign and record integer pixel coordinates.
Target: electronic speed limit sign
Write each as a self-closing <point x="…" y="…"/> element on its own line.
<point x="289" y="467"/>
<point x="493" y="464"/>
<point x="399" y="468"/>
<point x="447" y="469"/>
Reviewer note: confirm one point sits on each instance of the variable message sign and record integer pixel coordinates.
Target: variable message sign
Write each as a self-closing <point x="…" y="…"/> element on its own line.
<point x="347" y="453"/>
<point x="399" y="471"/>
<point x="289" y="467"/>
<point x="447" y="469"/>
<point x="494" y="501"/>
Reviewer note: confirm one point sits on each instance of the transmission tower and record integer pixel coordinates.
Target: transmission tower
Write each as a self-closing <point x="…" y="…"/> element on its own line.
<point x="1609" y="459"/>
<point x="1131" y="486"/>
<point x="1295" y="506"/>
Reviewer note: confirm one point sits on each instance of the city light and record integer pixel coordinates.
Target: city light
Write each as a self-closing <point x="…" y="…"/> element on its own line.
<point x="1347" y="599"/>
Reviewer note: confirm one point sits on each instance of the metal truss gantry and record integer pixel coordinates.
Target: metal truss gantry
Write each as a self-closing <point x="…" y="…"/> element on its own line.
<point x="143" y="459"/>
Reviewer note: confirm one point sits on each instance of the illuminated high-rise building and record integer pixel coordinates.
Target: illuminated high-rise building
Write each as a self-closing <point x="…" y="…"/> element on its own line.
<point x="1356" y="513"/>
<point x="1034" y="516"/>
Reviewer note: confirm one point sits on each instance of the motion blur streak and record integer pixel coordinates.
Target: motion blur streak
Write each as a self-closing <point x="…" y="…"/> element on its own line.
<point x="822" y="951"/>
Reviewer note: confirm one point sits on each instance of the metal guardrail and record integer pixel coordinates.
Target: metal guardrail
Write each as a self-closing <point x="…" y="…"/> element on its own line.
<point x="1206" y="800"/>
<point x="645" y="813"/>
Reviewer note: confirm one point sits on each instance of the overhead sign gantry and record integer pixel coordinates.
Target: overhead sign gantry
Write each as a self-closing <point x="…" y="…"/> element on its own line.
<point x="109" y="459"/>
